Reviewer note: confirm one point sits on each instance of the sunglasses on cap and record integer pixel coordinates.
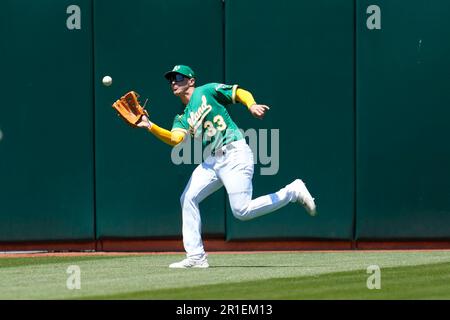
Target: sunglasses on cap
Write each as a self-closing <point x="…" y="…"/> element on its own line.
<point x="176" y="77"/>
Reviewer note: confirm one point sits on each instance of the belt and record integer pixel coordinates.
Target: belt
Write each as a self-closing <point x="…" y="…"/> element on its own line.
<point x="229" y="146"/>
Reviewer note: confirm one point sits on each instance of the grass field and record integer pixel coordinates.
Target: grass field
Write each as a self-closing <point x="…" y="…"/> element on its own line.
<point x="299" y="275"/>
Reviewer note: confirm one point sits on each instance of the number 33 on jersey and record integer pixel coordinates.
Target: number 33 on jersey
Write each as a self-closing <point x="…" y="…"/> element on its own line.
<point x="205" y="115"/>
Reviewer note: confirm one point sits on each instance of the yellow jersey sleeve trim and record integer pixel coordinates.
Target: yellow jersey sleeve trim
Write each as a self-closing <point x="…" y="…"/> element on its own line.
<point x="177" y="137"/>
<point x="245" y="97"/>
<point x="233" y="94"/>
<point x="179" y="129"/>
<point x="164" y="135"/>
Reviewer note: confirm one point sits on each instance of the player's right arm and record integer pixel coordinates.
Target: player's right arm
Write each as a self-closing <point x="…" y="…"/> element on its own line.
<point x="170" y="137"/>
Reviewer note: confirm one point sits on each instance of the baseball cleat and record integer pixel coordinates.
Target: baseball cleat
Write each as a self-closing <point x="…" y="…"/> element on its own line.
<point x="190" y="263"/>
<point x="304" y="197"/>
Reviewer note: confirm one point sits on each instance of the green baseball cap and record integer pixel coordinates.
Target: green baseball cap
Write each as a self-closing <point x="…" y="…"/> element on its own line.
<point x="181" y="69"/>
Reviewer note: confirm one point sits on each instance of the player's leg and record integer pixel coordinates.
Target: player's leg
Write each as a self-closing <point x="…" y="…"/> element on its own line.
<point x="237" y="175"/>
<point x="202" y="183"/>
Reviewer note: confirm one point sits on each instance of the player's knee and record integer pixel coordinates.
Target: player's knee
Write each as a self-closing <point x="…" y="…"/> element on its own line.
<point x="240" y="211"/>
<point x="187" y="196"/>
<point x="182" y="199"/>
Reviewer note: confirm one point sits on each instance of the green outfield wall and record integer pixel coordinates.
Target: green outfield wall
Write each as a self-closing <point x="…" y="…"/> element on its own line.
<point x="138" y="188"/>
<point x="403" y="128"/>
<point x="297" y="57"/>
<point x="46" y="122"/>
<point x="359" y="96"/>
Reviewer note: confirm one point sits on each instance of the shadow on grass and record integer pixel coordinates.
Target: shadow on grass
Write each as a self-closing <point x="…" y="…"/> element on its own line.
<point x="239" y="266"/>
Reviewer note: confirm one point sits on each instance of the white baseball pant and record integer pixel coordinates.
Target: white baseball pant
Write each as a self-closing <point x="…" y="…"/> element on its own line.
<point x="234" y="170"/>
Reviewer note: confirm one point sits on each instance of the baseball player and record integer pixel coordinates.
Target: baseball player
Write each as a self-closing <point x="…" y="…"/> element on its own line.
<point x="229" y="164"/>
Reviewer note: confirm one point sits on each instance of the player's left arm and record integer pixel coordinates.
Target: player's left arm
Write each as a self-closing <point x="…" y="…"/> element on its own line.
<point x="246" y="98"/>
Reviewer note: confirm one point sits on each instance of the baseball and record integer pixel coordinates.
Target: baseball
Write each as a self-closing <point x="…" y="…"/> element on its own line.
<point x="107" y="81"/>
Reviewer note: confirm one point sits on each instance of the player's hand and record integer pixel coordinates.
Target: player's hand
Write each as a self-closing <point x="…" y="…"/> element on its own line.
<point x="144" y="123"/>
<point x="258" y="110"/>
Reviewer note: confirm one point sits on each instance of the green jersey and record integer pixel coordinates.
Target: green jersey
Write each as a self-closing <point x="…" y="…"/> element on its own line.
<point x="205" y="116"/>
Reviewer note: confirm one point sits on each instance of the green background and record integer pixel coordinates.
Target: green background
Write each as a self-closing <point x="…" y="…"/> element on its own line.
<point x="137" y="186"/>
<point x="46" y="119"/>
<point x="297" y="57"/>
<point x="362" y="115"/>
<point x="403" y="99"/>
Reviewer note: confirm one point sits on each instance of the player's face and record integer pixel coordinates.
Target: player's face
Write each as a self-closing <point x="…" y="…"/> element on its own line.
<point x="179" y="84"/>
